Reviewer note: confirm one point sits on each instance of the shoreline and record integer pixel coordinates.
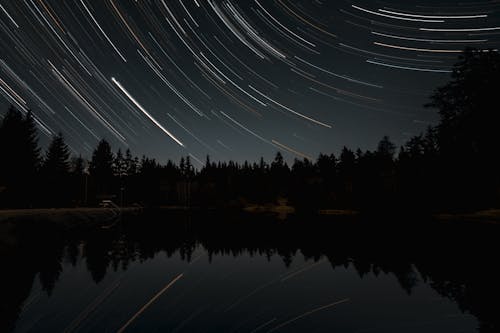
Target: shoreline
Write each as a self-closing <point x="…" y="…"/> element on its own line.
<point x="96" y="215"/>
<point x="488" y="216"/>
<point x="61" y="218"/>
<point x="43" y="213"/>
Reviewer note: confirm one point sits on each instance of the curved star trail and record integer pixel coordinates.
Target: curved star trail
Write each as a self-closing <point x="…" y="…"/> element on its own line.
<point x="234" y="79"/>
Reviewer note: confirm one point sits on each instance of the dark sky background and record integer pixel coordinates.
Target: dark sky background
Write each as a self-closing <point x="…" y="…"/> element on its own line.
<point x="231" y="78"/>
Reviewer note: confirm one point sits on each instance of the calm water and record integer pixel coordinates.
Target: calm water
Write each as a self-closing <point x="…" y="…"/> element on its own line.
<point x="250" y="274"/>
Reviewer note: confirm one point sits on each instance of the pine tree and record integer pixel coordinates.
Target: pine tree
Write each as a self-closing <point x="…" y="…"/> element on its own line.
<point x="56" y="163"/>
<point x="346" y="169"/>
<point x="468" y="132"/>
<point x="188" y="168"/>
<point x="101" y="167"/>
<point x="79" y="179"/>
<point x="182" y="166"/>
<point x="278" y="162"/>
<point x="386" y="148"/>
<point x="326" y="166"/>
<point x="56" y="168"/>
<point x="77" y="166"/>
<point x="20" y="158"/>
<point x="131" y="163"/>
<point x="468" y="106"/>
<point x="120" y="165"/>
<point x="208" y="163"/>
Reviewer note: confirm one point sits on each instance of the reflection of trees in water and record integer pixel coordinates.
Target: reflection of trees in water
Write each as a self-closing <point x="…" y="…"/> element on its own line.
<point x="38" y="253"/>
<point x="438" y="256"/>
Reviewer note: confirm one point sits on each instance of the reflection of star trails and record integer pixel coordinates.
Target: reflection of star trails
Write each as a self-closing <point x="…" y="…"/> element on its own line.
<point x="255" y="291"/>
<point x="280" y="278"/>
<point x="91" y="307"/>
<point x="263" y="325"/>
<point x="302" y="270"/>
<point x="307" y="314"/>
<point x="151" y="301"/>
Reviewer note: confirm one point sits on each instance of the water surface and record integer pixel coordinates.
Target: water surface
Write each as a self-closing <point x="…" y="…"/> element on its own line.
<point x="188" y="273"/>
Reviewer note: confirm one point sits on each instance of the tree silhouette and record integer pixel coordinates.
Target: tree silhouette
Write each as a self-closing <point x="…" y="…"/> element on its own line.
<point x="20" y="158"/>
<point x="327" y="171"/>
<point x="279" y="163"/>
<point x="79" y="180"/>
<point x="468" y="134"/>
<point x="468" y="104"/>
<point x="131" y="163"/>
<point x="77" y="166"/>
<point x="279" y="172"/>
<point x="101" y="167"/>
<point x="188" y="169"/>
<point x="453" y="165"/>
<point x="386" y="148"/>
<point x="56" y="162"/>
<point x="347" y="164"/>
<point x="120" y="166"/>
<point x="55" y="171"/>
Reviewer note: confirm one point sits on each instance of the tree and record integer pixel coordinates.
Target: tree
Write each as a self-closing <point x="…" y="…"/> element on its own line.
<point x="55" y="171"/>
<point x="326" y="166"/>
<point x="131" y="163"/>
<point x="279" y="173"/>
<point x="347" y="163"/>
<point x="467" y="133"/>
<point x="20" y="158"/>
<point x="78" y="175"/>
<point x="278" y="163"/>
<point x="120" y="165"/>
<point x="346" y="168"/>
<point x="56" y="163"/>
<point x="208" y="163"/>
<point x="431" y="143"/>
<point x="386" y="148"/>
<point x="101" y="167"/>
<point x="383" y="179"/>
<point x="468" y="105"/>
<point x="182" y="165"/>
<point x="415" y="147"/>
<point x="77" y="166"/>
<point x="188" y="168"/>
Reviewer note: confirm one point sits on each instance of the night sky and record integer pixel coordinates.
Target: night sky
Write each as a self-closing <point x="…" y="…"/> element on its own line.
<point x="231" y="78"/>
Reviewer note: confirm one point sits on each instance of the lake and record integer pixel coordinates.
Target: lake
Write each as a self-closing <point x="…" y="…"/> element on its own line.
<point x="203" y="272"/>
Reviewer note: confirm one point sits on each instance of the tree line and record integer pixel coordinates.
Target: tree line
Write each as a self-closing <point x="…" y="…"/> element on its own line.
<point x="451" y="166"/>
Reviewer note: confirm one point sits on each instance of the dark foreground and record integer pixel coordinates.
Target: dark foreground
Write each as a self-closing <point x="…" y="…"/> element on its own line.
<point x="187" y="272"/>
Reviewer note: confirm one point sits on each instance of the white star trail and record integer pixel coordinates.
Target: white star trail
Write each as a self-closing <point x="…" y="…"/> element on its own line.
<point x="276" y="68"/>
<point x="139" y="106"/>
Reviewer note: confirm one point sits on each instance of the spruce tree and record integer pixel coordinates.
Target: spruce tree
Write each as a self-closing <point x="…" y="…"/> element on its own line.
<point x="55" y="172"/>
<point x="131" y="163"/>
<point x="57" y="163"/>
<point x="101" y="167"/>
<point x="20" y="158"/>
<point x="120" y="165"/>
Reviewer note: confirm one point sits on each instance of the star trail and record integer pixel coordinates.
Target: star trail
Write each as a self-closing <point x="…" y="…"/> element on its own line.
<point x="234" y="79"/>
